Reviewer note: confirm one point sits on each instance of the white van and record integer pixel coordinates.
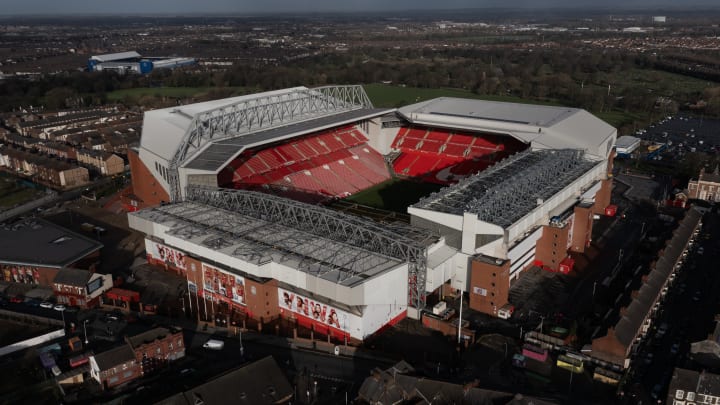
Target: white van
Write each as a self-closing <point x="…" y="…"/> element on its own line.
<point x="214" y="344"/>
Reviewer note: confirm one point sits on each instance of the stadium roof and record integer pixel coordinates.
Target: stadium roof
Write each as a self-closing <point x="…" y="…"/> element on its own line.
<point x="218" y="153"/>
<point x="163" y="129"/>
<point x="110" y="57"/>
<point x="36" y="242"/>
<point x="512" y="188"/>
<point x="257" y="241"/>
<point x="545" y="127"/>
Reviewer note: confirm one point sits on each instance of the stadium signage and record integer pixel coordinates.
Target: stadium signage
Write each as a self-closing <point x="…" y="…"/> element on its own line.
<point x="165" y="254"/>
<point x="223" y="285"/>
<point x="313" y="310"/>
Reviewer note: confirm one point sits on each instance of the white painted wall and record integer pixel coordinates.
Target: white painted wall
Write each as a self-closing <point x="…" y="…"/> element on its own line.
<point x="449" y="220"/>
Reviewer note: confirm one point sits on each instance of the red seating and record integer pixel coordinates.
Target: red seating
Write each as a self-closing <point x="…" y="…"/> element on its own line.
<point x="335" y="162"/>
<point x="431" y="146"/>
<point x="440" y="155"/>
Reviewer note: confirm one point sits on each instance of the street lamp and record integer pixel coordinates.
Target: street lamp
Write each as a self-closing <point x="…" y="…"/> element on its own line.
<point x="85" y="330"/>
<point x="242" y="349"/>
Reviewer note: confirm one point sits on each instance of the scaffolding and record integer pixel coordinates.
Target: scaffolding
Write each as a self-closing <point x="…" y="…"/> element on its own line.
<point x="261" y="113"/>
<point x="397" y="241"/>
<point x="509" y="190"/>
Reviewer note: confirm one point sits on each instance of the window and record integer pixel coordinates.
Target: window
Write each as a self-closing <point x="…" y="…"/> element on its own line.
<point x="690" y="396"/>
<point x="679" y="394"/>
<point x="180" y="342"/>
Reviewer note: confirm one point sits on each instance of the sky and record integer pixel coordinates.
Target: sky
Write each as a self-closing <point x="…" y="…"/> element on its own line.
<point x="65" y="7"/>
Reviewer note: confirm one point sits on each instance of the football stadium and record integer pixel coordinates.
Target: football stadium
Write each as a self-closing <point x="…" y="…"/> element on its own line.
<point x="310" y="204"/>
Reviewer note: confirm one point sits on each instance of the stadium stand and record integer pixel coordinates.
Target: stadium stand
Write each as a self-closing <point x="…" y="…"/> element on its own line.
<point x="445" y="156"/>
<point x="336" y="163"/>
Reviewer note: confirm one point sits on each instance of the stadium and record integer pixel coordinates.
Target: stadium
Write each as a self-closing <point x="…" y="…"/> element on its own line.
<point x="261" y="201"/>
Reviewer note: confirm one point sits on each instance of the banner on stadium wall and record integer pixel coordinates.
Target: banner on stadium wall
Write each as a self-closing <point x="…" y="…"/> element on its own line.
<point x="570" y="221"/>
<point x="20" y="274"/>
<point x="165" y="254"/>
<point x="314" y="310"/>
<point x="223" y="285"/>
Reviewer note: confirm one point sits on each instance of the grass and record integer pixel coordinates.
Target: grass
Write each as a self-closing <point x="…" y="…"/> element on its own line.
<point x="12" y="194"/>
<point x="394" y="194"/>
<point x="383" y="95"/>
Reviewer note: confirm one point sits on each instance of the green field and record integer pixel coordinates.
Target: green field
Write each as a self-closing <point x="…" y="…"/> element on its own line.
<point x="394" y="195"/>
<point x="12" y="194"/>
<point x="383" y="95"/>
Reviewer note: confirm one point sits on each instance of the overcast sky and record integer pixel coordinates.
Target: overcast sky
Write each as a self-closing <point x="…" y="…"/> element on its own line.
<point x="14" y="7"/>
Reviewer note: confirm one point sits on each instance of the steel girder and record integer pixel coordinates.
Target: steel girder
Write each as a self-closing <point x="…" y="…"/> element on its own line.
<point x="261" y="113"/>
<point x="326" y="223"/>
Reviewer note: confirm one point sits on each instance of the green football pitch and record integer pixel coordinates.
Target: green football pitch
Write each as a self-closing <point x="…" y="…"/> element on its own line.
<point x="394" y="194"/>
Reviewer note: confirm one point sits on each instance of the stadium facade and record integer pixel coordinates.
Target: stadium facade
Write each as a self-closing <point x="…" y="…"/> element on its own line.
<point x="133" y="62"/>
<point x="227" y="193"/>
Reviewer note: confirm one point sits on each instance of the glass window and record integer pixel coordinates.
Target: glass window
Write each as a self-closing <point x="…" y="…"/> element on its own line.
<point x="679" y="394"/>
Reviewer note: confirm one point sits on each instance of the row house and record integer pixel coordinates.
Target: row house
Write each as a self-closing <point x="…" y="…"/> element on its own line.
<point x="58" y="149"/>
<point x="157" y="347"/>
<point x="115" y="367"/>
<point x="19" y="140"/>
<point x="82" y="288"/>
<point x="138" y="356"/>
<point x="51" y="124"/>
<point x="44" y="169"/>
<point x="108" y="164"/>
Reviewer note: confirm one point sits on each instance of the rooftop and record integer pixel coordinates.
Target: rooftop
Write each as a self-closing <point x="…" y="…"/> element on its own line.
<point x="74" y="277"/>
<point x="114" y="357"/>
<point x="261" y="382"/>
<point x="150" y="336"/>
<point x="545" y="127"/>
<point x="512" y="188"/>
<point x="36" y="242"/>
<point x="115" y="56"/>
<point x="218" y="153"/>
<point x="629" y="324"/>
<point x="259" y="241"/>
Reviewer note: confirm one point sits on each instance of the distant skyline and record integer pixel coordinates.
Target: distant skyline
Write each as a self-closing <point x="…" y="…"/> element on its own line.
<point x="237" y="7"/>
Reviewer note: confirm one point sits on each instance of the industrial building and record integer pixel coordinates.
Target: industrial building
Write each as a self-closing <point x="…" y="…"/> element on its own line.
<point x="132" y="62"/>
<point x="222" y="189"/>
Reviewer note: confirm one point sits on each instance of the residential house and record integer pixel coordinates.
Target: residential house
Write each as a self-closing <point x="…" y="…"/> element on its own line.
<point x="106" y="163"/>
<point x="80" y="287"/>
<point x="115" y="367"/>
<point x="706" y="187"/>
<point x="156" y="347"/>
<point x="693" y="387"/>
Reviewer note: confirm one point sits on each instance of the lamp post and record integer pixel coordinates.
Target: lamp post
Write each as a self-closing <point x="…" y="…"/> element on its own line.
<point x="85" y="330"/>
<point x="242" y="349"/>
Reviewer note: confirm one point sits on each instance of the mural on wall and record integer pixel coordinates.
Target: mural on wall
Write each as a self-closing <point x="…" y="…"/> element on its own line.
<point x="223" y="285"/>
<point x="312" y="309"/>
<point x="20" y="274"/>
<point x="165" y="254"/>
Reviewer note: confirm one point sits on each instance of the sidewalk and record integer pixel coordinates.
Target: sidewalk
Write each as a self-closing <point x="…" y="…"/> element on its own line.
<point x="316" y="346"/>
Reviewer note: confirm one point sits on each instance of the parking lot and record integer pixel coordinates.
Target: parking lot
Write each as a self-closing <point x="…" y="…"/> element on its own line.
<point x="685" y="133"/>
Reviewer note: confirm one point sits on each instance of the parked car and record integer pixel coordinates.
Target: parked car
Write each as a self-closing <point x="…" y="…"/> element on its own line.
<point x="214" y="344"/>
<point x="46" y="305"/>
<point x="31" y="302"/>
<point x="16" y="300"/>
<point x="59" y="307"/>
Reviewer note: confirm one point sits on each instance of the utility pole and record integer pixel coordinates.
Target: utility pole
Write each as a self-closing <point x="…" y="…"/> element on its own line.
<point x="242" y="349"/>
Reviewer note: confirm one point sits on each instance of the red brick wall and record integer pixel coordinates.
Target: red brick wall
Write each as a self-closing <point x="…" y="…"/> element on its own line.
<point x="551" y="248"/>
<point x="495" y="279"/>
<point x="602" y="197"/>
<point x="145" y="186"/>
<point x="264" y="301"/>
<point x="582" y="228"/>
